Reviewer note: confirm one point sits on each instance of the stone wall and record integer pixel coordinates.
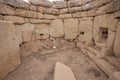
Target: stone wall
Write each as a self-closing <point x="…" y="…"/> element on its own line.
<point x="91" y="25"/>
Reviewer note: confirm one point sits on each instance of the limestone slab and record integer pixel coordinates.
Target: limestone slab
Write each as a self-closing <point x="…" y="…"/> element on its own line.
<point x="15" y="19"/>
<point x="63" y="72"/>
<point x="27" y="31"/>
<point x="9" y="48"/>
<point x="41" y="31"/>
<point x="57" y="28"/>
<point x="71" y="28"/>
<point x="117" y="42"/>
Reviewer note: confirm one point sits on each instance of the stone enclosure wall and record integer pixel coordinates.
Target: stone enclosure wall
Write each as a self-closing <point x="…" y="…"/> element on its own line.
<point x="91" y="25"/>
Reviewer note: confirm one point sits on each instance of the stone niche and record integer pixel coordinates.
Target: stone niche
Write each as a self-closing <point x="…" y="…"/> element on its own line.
<point x="9" y="48"/>
<point x="103" y="34"/>
<point x="104" y="29"/>
<point x="85" y="29"/>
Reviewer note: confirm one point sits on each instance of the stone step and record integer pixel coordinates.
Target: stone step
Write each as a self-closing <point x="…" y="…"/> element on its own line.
<point x="114" y="61"/>
<point x="105" y="66"/>
<point x="95" y="50"/>
<point x="101" y="45"/>
<point x="90" y="55"/>
<point x="48" y="51"/>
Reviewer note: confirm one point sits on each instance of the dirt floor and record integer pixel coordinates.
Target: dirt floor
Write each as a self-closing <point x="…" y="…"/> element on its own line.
<point x="40" y="66"/>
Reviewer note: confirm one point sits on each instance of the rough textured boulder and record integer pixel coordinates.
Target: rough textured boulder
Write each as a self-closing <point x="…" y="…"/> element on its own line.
<point x="57" y="28"/>
<point x="63" y="72"/>
<point x="117" y="42"/>
<point x="71" y="28"/>
<point x="41" y="31"/>
<point x="9" y="48"/>
<point x="27" y="31"/>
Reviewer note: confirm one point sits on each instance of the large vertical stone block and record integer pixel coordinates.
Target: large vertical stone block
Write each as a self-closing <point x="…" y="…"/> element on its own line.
<point x="71" y="28"/>
<point x="19" y="33"/>
<point x="9" y="48"/>
<point x="41" y="31"/>
<point x="117" y="42"/>
<point x="57" y="28"/>
<point x="27" y="31"/>
<point x="85" y="29"/>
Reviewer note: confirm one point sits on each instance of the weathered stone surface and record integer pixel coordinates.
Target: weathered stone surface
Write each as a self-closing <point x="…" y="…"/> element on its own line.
<point x="63" y="72"/>
<point x="1" y="17"/>
<point x="51" y="11"/>
<point x="15" y="19"/>
<point x="111" y="38"/>
<point x="33" y="8"/>
<point x="71" y="28"/>
<point x="117" y="42"/>
<point x="104" y="21"/>
<point x="5" y="9"/>
<point x="105" y="66"/>
<point x="80" y="14"/>
<point x="115" y="76"/>
<point x="36" y="21"/>
<point x="48" y="16"/>
<point x="9" y="48"/>
<point x="27" y="31"/>
<point x="74" y="3"/>
<point x="44" y="3"/>
<point x="64" y="16"/>
<point x="19" y="33"/>
<point x="74" y="9"/>
<point x="40" y="9"/>
<point x="29" y="14"/>
<point x="56" y="28"/>
<point x="85" y="29"/>
<point x="41" y="31"/>
<point x="26" y="20"/>
<point x="16" y="3"/>
<point x="116" y="14"/>
<point x="63" y="11"/>
<point x="59" y="4"/>
<point x="94" y="4"/>
<point x="113" y="6"/>
<point x="21" y="12"/>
